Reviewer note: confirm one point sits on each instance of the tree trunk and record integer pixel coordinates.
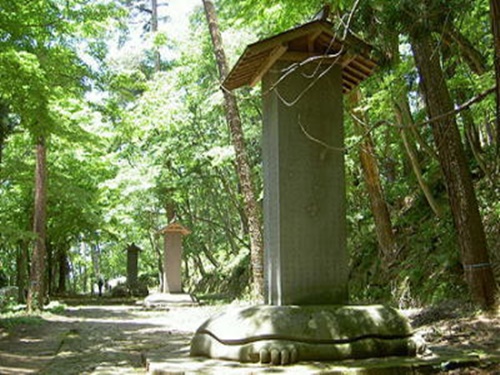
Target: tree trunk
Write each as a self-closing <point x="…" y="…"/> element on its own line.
<point x="495" y="26"/>
<point x="49" y="269"/>
<point x="234" y="199"/>
<point x="154" y="29"/>
<point x="199" y="265"/>
<point x="380" y="211"/>
<point x="473" y="57"/>
<point x="36" y="291"/>
<point x="403" y="115"/>
<point x="209" y="256"/>
<point x="153" y="240"/>
<point x="4" y="129"/>
<point x="95" y="256"/>
<point x="22" y="264"/>
<point x="242" y="164"/>
<point x="171" y="209"/>
<point x="471" y="134"/>
<point x="464" y="207"/>
<point x="62" y="261"/>
<point x="186" y="269"/>
<point x="84" y="278"/>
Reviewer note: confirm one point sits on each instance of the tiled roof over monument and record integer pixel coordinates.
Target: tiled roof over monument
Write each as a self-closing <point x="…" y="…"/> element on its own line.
<point x="175" y="227"/>
<point x="316" y="41"/>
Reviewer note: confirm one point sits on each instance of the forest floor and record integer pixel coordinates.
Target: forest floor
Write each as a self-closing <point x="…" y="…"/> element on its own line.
<point x="99" y="336"/>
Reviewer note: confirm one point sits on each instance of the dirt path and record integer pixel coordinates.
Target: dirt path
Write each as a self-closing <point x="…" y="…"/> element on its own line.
<point x="115" y="339"/>
<point x="97" y="339"/>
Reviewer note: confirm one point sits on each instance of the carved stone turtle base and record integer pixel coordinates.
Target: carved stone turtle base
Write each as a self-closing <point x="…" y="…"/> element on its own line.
<point x="288" y="334"/>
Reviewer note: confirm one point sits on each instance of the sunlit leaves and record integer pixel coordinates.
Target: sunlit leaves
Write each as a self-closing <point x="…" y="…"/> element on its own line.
<point x="24" y="86"/>
<point x="219" y="155"/>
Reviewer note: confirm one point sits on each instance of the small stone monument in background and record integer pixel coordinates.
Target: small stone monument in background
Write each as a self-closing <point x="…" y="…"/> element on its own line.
<point x="172" y="257"/>
<point x="172" y="292"/>
<point x="132" y="265"/>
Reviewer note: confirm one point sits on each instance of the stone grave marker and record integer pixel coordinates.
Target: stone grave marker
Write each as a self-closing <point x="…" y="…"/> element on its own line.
<point x="172" y="292"/>
<point x="172" y="257"/>
<point x="132" y="265"/>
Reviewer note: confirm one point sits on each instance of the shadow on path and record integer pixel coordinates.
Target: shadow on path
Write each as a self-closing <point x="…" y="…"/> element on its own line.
<point x="99" y="339"/>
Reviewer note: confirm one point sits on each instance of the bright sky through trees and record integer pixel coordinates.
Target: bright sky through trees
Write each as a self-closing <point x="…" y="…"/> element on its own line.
<point x="178" y="11"/>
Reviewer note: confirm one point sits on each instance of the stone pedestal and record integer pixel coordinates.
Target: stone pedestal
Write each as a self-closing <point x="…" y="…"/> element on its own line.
<point x="281" y="335"/>
<point x="172" y="257"/>
<point x="167" y="300"/>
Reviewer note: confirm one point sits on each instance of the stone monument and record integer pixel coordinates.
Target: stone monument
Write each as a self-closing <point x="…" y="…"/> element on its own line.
<point x="172" y="292"/>
<point x="132" y="265"/>
<point x="304" y="72"/>
<point x="172" y="257"/>
<point x="304" y="190"/>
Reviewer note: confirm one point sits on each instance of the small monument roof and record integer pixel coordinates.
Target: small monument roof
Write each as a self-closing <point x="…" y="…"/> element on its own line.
<point x="175" y="227"/>
<point x="133" y="246"/>
<point x="314" y="40"/>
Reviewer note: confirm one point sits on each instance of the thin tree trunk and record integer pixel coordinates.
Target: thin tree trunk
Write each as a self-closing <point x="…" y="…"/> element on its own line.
<point x="170" y="208"/>
<point x="199" y="264"/>
<point x="49" y="284"/>
<point x="464" y="207"/>
<point x="84" y="274"/>
<point x="224" y="218"/>
<point x="410" y="150"/>
<point x="242" y="164"/>
<point x="232" y="194"/>
<point x="22" y="264"/>
<point x="153" y="240"/>
<point x="404" y="117"/>
<point x="495" y="27"/>
<point x="380" y="211"/>
<point x="209" y="256"/>
<point x="95" y="255"/>
<point x="36" y="293"/>
<point x="154" y="29"/>
<point x="4" y="129"/>
<point x="478" y="67"/>
<point x="473" y="57"/>
<point x="471" y="136"/>
<point x="234" y="200"/>
<point x="63" y="270"/>
<point x="186" y="269"/>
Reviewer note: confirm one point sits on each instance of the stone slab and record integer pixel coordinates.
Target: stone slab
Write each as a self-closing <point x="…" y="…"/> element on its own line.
<point x="304" y="187"/>
<point x="164" y="300"/>
<point x="172" y="262"/>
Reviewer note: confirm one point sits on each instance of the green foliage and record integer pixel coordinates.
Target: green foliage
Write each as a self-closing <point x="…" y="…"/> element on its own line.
<point x="55" y="307"/>
<point x="145" y="142"/>
<point x="269" y="17"/>
<point x="11" y="321"/>
<point x="427" y="268"/>
<point x="7" y="303"/>
<point x="47" y="49"/>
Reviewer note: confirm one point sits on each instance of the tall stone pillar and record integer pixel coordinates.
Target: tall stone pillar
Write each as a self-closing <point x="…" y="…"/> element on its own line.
<point x="132" y="265"/>
<point x="172" y="257"/>
<point x="304" y="188"/>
